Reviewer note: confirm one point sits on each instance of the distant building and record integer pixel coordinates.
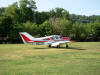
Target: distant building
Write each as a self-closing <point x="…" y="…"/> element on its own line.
<point x="3" y="40"/>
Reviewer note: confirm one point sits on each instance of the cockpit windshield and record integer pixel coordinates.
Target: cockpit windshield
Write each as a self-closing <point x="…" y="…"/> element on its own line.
<point x="52" y="38"/>
<point x="55" y="37"/>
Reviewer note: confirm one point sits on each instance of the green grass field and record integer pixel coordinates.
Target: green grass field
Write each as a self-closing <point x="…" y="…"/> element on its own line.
<point x="81" y="58"/>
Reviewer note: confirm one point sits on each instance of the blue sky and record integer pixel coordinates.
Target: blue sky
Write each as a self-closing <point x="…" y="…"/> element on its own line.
<point x="81" y="7"/>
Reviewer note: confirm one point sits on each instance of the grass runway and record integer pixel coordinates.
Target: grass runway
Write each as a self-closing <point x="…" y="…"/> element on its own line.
<point x="81" y="58"/>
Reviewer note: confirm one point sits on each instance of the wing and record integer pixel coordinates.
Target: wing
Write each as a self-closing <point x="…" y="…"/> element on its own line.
<point x="59" y="43"/>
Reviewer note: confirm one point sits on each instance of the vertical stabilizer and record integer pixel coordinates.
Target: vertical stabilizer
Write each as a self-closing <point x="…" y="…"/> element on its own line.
<point x="26" y="37"/>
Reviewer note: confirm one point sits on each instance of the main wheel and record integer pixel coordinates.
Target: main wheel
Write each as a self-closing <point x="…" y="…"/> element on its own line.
<point x="58" y="46"/>
<point x="49" y="46"/>
<point x="66" y="46"/>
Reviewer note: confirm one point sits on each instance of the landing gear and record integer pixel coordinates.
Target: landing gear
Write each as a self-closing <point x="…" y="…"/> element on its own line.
<point x="49" y="46"/>
<point x="58" y="46"/>
<point x="66" y="45"/>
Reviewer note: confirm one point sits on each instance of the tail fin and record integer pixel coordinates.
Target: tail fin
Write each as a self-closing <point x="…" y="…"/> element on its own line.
<point x="26" y="37"/>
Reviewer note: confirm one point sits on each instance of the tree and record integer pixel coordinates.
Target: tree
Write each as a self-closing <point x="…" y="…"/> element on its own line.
<point x="5" y="26"/>
<point x="31" y="28"/>
<point x="79" y="31"/>
<point x="27" y="4"/>
<point x="31" y="4"/>
<point x="61" y="26"/>
<point x="27" y="8"/>
<point x="52" y="13"/>
<point x="2" y="10"/>
<point x="97" y="31"/>
<point x="45" y="29"/>
<point x="41" y="17"/>
<point x="59" y="13"/>
<point x="24" y="27"/>
<point x="13" y="36"/>
<point x="13" y="12"/>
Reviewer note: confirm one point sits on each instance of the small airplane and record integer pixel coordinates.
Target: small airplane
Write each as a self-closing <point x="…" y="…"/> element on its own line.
<point x="51" y="41"/>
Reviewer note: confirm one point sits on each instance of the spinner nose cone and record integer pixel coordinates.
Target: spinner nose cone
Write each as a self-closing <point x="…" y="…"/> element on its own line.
<point x="66" y="38"/>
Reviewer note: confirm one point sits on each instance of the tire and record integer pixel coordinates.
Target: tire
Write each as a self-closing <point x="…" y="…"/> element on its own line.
<point x="49" y="46"/>
<point x="58" y="46"/>
<point x="66" y="46"/>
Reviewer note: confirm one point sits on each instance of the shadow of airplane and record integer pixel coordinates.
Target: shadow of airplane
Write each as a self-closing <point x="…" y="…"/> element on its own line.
<point x="41" y="48"/>
<point x="73" y="48"/>
<point x="76" y="48"/>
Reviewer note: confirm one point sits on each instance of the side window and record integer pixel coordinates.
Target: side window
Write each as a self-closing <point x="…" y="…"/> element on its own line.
<point x="44" y="39"/>
<point x="52" y="38"/>
<point x="57" y="37"/>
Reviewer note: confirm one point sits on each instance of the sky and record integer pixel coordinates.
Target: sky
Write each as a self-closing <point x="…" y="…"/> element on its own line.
<point x="79" y="7"/>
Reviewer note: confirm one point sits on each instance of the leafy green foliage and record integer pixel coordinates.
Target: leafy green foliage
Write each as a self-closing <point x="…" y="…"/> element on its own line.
<point x="13" y="12"/>
<point x="24" y="27"/>
<point x="79" y="31"/>
<point x="27" y="8"/>
<point x="2" y="10"/>
<point x="22" y="16"/>
<point x="59" y="13"/>
<point x="5" y="25"/>
<point x="30" y="27"/>
<point x="61" y="26"/>
<point x="45" y="29"/>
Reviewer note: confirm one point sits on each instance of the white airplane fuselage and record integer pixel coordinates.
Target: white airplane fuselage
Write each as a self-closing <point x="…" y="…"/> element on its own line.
<point x="53" y="40"/>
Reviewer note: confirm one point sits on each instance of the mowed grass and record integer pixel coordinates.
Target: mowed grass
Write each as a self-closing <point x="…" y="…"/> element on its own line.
<point x="81" y="58"/>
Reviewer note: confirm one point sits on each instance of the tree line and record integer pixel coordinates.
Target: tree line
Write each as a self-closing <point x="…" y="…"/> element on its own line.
<point x="23" y="16"/>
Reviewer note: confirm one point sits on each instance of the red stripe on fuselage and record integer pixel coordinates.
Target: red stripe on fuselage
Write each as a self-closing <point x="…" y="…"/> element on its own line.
<point x="40" y="41"/>
<point x="47" y="38"/>
<point x="35" y="41"/>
